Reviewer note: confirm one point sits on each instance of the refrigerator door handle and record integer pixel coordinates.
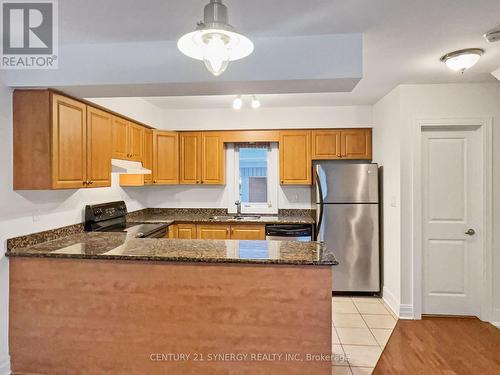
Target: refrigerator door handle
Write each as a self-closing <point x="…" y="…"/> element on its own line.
<point x="320" y="213"/>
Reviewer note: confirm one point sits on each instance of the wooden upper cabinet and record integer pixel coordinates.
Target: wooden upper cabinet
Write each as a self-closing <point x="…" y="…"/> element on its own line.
<point x="190" y="157"/>
<point x="128" y="139"/>
<point x="148" y="155"/>
<point x="212" y="156"/>
<point x="356" y="144"/>
<point x="165" y="157"/>
<point x="98" y="150"/>
<point x="69" y="143"/>
<point x="212" y="232"/>
<point x="295" y="157"/>
<point x="325" y="144"/>
<point x="136" y="142"/>
<point x="59" y="142"/>
<point x="248" y="232"/>
<point x="120" y="149"/>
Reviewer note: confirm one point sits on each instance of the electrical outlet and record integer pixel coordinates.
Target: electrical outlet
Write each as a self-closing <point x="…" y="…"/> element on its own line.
<point x="36" y="217"/>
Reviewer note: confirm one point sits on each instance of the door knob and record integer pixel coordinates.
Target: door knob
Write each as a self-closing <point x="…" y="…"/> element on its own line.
<point x="470" y="232"/>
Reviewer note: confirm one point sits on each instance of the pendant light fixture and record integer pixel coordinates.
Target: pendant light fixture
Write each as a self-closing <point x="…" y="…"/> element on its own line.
<point x="215" y="42"/>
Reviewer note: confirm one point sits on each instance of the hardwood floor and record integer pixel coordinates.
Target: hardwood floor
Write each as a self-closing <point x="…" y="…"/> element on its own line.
<point x="441" y="346"/>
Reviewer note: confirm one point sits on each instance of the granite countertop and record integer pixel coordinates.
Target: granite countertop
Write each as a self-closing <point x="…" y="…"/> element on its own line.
<point x="120" y="246"/>
<point x="170" y="218"/>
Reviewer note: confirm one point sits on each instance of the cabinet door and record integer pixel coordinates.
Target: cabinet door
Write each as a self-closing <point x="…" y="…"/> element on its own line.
<point x="190" y="158"/>
<point x="69" y="147"/>
<point x="120" y="149"/>
<point x="165" y="157"/>
<point x="186" y="231"/>
<point x="212" y="232"/>
<point x="248" y="232"/>
<point x="99" y="141"/>
<point x="295" y="157"/>
<point x="148" y="155"/>
<point x="212" y="155"/>
<point x="325" y="144"/>
<point x="172" y="231"/>
<point x="356" y="144"/>
<point x="136" y="142"/>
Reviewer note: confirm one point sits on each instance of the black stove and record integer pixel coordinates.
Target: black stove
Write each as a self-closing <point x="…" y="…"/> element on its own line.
<point x="111" y="217"/>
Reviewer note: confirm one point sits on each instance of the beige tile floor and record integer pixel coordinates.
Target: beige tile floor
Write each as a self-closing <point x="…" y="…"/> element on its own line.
<point x="361" y="328"/>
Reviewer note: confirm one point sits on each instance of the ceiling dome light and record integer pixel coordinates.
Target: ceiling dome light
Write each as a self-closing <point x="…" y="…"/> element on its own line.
<point x="462" y="60"/>
<point x="237" y="103"/>
<point x="255" y="103"/>
<point x="215" y="42"/>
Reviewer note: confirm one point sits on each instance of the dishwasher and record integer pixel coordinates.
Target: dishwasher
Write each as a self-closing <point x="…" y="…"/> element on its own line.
<point x="289" y="232"/>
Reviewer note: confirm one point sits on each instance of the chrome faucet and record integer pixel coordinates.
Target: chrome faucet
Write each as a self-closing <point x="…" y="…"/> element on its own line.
<point x="238" y="208"/>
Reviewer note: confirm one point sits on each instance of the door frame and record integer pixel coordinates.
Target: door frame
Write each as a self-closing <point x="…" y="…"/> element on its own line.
<point x="484" y="125"/>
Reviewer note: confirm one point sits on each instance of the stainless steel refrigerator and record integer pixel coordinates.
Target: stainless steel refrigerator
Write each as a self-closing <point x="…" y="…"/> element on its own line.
<point x="347" y="209"/>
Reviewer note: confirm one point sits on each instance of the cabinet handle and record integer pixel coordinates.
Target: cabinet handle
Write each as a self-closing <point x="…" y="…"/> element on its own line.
<point x="91" y="182"/>
<point x="201" y="182"/>
<point x="84" y="182"/>
<point x="155" y="181"/>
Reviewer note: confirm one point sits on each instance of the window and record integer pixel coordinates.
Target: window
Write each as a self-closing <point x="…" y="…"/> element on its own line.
<point x="256" y="177"/>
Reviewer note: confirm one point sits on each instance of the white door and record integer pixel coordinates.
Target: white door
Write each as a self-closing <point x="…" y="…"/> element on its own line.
<point x="452" y="179"/>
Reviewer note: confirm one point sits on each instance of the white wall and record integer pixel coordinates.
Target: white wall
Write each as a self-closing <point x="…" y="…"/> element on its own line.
<point x="24" y="212"/>
<point x="432" y="102"/>
<point x="268" y="118"/>
<point x="135" y="108"/>
<point x="386" y="152"/>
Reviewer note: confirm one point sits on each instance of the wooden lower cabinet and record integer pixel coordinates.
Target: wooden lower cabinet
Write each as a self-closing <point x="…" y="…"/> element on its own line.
<point x="186" y="231"/>
<point x="213" y="232"/>
<point x="248" y="232"/>
<point x="172" y="231"/>
<point x="191" y="231"/>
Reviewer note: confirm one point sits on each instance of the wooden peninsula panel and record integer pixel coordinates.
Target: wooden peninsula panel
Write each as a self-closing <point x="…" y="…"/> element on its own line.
<point x="70" y="316"/>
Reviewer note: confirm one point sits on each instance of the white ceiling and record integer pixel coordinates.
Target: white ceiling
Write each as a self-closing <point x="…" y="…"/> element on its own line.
<point x="403" y="39"/>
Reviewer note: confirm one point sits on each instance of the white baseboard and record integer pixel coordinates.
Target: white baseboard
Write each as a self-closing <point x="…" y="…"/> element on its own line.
<point x="390" y="300"/>
<point x="5" y="365"/>
<point x="400" y="310"/>
<point x="406" y="311"/>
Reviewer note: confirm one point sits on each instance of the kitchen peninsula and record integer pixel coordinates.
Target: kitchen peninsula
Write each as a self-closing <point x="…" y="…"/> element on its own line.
<point x="111" y="303"/>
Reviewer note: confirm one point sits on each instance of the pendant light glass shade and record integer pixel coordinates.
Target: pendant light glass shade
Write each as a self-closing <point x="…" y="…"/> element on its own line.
<point x="215" y="42"/>
<point x="460" y="61"/>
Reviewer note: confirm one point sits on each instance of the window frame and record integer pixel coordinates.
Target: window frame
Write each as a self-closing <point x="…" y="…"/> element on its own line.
<point x="271" y="207"/>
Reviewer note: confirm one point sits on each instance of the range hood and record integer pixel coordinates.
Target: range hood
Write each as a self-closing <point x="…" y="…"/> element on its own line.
<point x="128" y="167"/>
